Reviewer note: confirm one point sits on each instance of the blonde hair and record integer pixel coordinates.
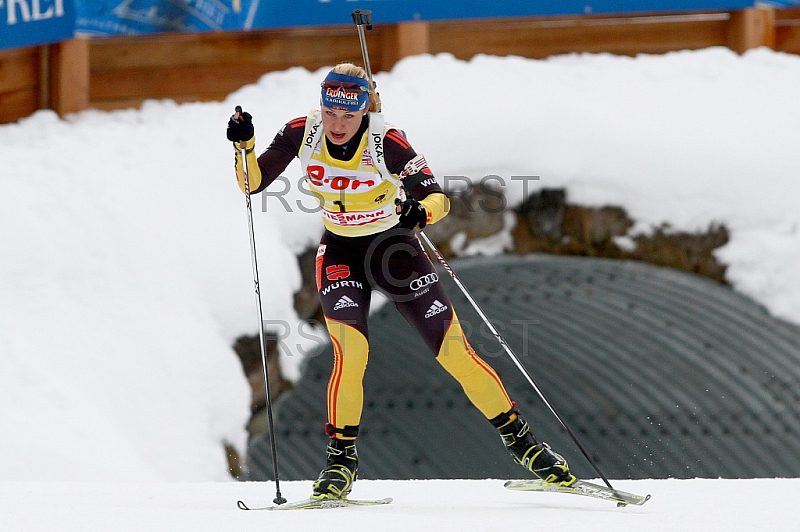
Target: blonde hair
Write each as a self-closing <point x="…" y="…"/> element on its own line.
<point x="350" y="69"/>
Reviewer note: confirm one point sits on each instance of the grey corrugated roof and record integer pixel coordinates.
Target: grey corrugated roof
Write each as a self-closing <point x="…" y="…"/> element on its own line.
<point x="660" y="373"/>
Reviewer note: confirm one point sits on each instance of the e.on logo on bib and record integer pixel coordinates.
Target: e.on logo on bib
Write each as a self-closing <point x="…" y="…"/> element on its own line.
<point x="317" y="177"/>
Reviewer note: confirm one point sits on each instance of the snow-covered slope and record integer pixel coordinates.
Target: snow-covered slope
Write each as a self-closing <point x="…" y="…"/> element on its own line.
<point x="441" y="505"/>
<point x="125" y="270"/>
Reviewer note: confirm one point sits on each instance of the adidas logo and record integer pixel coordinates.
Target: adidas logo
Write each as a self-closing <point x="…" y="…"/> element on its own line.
<point x="436" y="308"/>
<point x="345" y="302"/>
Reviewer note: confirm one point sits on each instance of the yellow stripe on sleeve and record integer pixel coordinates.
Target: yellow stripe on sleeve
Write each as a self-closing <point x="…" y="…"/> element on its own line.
<point x="437" y="205"/>
<point x="254" y="172"/>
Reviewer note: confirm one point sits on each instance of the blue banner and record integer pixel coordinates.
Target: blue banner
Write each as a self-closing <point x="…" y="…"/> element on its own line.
<point x="109" y="17"/>
<point x="133" y="17"/>
<point x="331" y="12"/>
<point x="32" y="22"/>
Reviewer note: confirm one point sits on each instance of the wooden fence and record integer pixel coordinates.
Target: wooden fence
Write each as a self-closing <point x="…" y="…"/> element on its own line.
<point x="121" y="72"/>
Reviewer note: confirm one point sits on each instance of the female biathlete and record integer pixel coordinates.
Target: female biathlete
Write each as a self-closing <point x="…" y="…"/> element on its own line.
<point x="374" y="191"/>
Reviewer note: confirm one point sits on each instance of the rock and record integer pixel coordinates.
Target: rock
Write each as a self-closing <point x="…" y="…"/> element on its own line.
<point x="476" y="211"/>
<point x="544" y="213"/>
<point x="306" y="300"/>
<point x="692" y="252"/>
<point x="248" y="349"/>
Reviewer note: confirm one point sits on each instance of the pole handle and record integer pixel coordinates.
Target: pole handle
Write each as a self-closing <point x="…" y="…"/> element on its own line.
<point x="362" y="17"/>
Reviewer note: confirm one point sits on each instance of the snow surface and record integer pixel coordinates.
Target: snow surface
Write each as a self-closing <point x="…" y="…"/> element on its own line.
<point x="125" y="274"/>
<point x="442" y="505"/>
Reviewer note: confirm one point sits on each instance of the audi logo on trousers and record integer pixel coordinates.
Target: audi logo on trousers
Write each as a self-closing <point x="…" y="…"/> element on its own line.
<point x="421" y="282"/>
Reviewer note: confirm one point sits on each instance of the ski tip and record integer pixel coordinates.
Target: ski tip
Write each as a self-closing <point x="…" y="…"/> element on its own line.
<point x="639" y="500"/>
<point x="242" y="505"/>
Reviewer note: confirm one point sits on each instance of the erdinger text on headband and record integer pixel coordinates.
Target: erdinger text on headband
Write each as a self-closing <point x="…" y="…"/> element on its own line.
<point x="349" y="93"/>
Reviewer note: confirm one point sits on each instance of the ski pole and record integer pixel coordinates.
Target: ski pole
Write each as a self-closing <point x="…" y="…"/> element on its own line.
<point x="511" y="354"/>
<point x="362" y="18"/>
<point x="262" y="340"/>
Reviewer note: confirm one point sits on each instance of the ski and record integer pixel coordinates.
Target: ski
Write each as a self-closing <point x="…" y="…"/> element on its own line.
<point x="319" y="504"/>
<point x="580" y="487"/>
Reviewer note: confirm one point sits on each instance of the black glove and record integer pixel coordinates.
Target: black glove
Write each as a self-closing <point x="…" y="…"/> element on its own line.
<point x="412" y="213"/>
<point x="240" y="126"/>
